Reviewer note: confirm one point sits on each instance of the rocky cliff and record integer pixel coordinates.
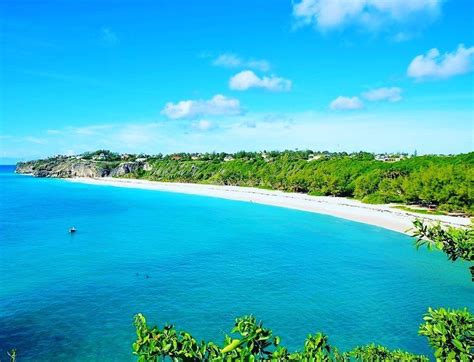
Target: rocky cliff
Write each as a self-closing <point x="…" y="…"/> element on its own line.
<point x="67" y="167"/>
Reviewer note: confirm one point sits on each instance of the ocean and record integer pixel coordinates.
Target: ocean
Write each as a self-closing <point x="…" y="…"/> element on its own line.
<point x="199" y="262"/>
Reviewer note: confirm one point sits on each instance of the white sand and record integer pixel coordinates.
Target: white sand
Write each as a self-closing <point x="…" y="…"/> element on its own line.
<point x="379" y="215"/>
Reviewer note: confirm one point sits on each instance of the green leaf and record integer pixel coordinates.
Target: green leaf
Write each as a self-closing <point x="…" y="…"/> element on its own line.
<point x="458" y="344"/>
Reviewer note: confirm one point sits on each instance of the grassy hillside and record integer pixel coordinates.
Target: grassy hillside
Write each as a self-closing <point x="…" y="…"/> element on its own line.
<point x="443" y="182"/>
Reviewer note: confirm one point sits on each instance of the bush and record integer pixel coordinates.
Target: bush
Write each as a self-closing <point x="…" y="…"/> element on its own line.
<point x="249" y="341"/>
<point x="450" y="333"/>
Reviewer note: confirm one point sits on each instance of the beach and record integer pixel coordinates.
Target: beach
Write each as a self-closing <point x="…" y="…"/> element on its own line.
<point x="384" y="216"/>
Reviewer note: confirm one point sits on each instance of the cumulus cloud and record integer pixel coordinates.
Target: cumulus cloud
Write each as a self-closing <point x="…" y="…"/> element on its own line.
<point x="329" y="14"/>
<point x="435" y="65"/>
<point x="346" y="103"/>
<point x="392" y="94"/>
<point x="230" y="60"/>
<point x="248" y="79"/>
<point x="218" y="105"/>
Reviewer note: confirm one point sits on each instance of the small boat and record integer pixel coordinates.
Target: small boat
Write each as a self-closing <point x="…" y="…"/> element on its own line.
<point x="72" y="230"/>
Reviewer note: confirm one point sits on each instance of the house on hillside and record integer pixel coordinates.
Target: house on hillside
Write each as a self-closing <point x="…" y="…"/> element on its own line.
<point x="99" y="157"/>
<point x="385" y="157"/>
<point x="314" y="157"/>
<point x="266" y="157"/>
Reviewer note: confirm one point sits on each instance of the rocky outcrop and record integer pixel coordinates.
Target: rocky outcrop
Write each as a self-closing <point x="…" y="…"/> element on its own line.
<point x="25" y="167"/>
<point x="126" y="168"/>
<point x="70" y="167"/>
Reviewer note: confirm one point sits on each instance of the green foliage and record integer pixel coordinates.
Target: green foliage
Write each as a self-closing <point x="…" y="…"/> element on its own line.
<point x="255" y="338"/>
<point x="374" y="352"/>
<point x="250" y="341"/>
<point x="450" y="333"/>
<point x="317" y="348"/>
<point x="441" y="182"/>
<point x="456" y="243"/>
<point x="12" y="355"/>
<point x="155" y="344"/>
<point x="419" y="211"/>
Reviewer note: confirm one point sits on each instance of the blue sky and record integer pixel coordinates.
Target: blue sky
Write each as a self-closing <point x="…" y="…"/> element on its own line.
<point x="174" y="75"/>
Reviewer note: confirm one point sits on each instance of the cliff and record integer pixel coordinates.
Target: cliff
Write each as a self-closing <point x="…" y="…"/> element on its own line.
<point x="67" y="167"/>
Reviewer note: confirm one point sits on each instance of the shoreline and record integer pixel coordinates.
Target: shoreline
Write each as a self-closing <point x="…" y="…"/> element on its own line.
<point x="383" y="216"/>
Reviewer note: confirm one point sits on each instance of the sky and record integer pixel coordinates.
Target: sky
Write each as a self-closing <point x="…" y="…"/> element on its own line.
<point x="170" y="76"/>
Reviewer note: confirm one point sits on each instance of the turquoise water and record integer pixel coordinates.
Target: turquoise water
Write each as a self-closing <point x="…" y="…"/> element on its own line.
<point x="72" y="297"/>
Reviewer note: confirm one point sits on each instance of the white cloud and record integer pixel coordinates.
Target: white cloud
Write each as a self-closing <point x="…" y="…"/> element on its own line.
<point x="346" y="103"/>
<point x="218" y="105"/>
<point x="248" y="79"/>
<point x="392" y="94"/>
<point x="230" y="60"/>
<point x="329" y="14"/>
<point x="109" y="37"/>
<point x="436" y="66"/>
<point x="203" y="125"/>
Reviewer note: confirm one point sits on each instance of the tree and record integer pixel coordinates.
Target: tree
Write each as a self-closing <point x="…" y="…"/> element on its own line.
<point x="456" y="243"/>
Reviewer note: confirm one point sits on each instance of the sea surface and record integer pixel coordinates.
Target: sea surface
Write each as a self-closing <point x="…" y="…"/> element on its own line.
<point x="199" y="262"/>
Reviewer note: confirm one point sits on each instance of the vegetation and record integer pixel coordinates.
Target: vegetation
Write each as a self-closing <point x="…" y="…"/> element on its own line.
<point x="456" y="243"/>
<point x="449" y="332"/>
<point x="250" y="341"/>
<point x="438" y="182"/>
<point x="12" y="355"/>
<point x="420" y="211"/>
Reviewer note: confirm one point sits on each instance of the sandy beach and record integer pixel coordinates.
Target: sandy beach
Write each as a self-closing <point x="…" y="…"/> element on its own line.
<point x="383" y="216"/>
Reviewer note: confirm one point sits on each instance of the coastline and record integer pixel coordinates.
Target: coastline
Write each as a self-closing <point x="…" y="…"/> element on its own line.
<point x="378" y="215"/>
